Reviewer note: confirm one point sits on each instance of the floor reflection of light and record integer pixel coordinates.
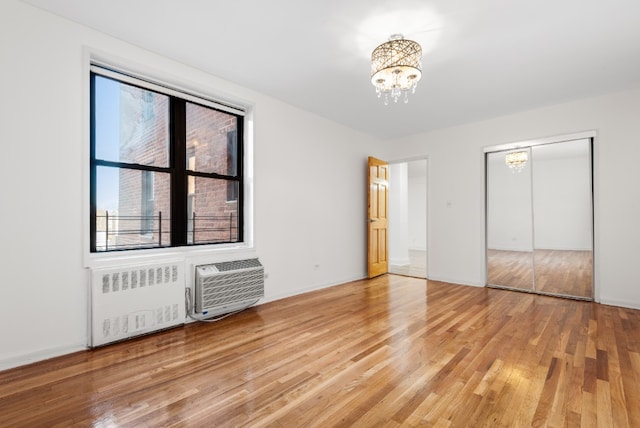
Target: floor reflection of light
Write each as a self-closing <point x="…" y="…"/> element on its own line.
<point x="106" y="421"/>
<point x="403" y="306"/>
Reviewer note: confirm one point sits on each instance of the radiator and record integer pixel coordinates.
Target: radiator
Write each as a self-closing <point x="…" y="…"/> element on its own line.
<point x="134" y="300"/>
<point x="228" y="286"/>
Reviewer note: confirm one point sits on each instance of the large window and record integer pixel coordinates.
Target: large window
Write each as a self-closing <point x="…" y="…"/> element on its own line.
<point x="166" y="167"/>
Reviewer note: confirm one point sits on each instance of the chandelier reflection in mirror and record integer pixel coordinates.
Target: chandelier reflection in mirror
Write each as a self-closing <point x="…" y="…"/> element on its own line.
<point x="396" y="67"/>
<point x="516" y="161"/>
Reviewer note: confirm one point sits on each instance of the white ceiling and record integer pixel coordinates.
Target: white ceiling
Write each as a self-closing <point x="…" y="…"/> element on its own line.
<point x="482" y="58"/>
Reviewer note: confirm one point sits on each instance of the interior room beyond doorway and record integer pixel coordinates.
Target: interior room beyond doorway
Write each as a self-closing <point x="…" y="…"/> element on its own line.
<point x="408" y="218"/>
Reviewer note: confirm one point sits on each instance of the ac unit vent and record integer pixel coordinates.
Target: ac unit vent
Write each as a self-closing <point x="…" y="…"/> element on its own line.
<point x="228" y="286"/>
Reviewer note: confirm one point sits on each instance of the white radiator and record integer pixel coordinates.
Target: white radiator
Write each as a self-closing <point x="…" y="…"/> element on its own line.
<point x="228" y="286"/>
<point x="134" y="300"/>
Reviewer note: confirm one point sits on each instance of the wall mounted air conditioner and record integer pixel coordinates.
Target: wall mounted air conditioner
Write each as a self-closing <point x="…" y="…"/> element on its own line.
<point x="228" y="286"/>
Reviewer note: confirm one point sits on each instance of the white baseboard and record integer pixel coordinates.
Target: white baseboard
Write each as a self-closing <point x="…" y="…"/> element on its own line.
<point x="402" y="261"/>
<point x="298" y="291"/>
<point x="620" y="303"/>
<point x="454" y="281"/>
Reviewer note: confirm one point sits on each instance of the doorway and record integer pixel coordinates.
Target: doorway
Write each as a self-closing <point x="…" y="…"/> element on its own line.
<point x="408" y="218"/>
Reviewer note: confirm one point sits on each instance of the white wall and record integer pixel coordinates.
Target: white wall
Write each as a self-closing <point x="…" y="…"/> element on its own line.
<point x="456" y="197"/>
<point x="309" y="181"/>
<point x="398" y="214"/>
<point x="407" y="210"/>
<point x="418" y="209"/>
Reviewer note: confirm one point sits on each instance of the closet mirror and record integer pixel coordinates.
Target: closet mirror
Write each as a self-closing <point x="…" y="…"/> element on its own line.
<point x="509" y="220"/>
<point x="539" y="218"/>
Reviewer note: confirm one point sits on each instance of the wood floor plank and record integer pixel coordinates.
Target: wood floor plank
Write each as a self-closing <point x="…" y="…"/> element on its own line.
<point x="392" y="351"/>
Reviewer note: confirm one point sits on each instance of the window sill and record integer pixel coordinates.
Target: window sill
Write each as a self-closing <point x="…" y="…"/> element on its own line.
<point x="204" y="253"/>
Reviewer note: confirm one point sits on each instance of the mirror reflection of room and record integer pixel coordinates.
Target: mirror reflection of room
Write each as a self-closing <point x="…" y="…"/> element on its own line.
<point x="509" y="221"/>
<point x="539" y="219"/>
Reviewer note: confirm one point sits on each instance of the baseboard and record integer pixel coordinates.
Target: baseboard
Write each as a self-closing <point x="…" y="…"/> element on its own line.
<point x="454" y="281"/>
<point x="34" y="357"/>
<point x="620" y="303"/>
<point x="399" y="262"/>
<point x="519" y="250"/>
<point x="310" y="289"/>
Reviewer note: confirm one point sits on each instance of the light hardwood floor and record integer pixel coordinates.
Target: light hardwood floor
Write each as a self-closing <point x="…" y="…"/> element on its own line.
<point x="392" y="351"/>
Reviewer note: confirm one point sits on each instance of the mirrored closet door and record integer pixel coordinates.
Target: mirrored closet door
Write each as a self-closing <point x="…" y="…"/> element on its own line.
<point x="540" y="218"/>
<point x="509" y="220"/>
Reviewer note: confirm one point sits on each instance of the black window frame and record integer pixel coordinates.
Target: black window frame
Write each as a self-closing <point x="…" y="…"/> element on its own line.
<point x="177" y="169"/>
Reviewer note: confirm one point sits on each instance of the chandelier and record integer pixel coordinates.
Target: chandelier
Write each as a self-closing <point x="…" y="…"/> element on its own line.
<point x="396" y="67"/>
<point x="516" y="161"/>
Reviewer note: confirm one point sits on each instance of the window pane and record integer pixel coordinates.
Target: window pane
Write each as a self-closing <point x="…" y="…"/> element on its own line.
<point x="211" y="140"/>
<point x="132" y="209"/>
<point x="211" y="218"/>
<point x="232" y="191"/>
<point x="131" y="124"/>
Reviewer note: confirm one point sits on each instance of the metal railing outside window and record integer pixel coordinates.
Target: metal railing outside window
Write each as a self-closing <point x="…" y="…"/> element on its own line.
<point x="124" y="232"/>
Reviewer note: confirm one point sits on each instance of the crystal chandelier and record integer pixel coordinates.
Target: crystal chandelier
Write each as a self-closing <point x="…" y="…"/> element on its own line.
<point x="396" y="67"/>
<point x="516" y="161"/>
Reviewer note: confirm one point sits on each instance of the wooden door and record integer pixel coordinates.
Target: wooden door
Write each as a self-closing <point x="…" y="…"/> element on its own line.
<point x="377" y="263"/>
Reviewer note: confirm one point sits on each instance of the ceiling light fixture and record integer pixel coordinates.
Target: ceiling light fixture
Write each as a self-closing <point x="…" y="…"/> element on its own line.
<point x="396" y="67"/>
<point x="516" y="161"/>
